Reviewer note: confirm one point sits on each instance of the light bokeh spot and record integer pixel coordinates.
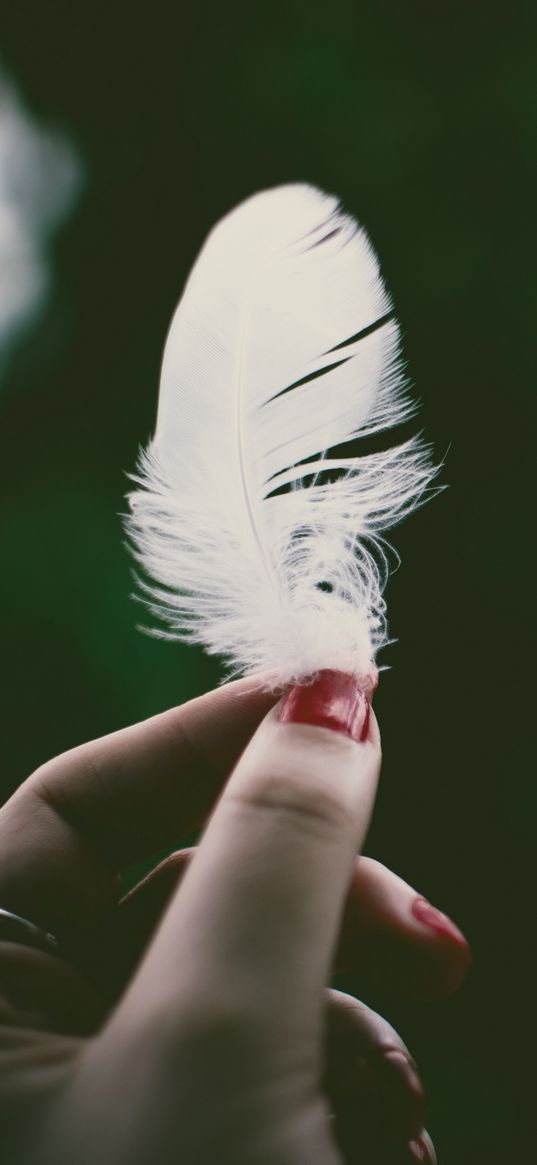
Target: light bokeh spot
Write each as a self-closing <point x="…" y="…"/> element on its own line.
<point x="40" y="179"/>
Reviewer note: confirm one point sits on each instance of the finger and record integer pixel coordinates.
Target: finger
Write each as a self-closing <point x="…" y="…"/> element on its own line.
<point x="387" y="939"/>
<point x="374" y="1088"/>
<point x="422" y="1149"/>
<point x="264" y="893"/>
<point x="359" y="1145"/>
<point x="41" y="992"/>
<point x="88" y="813"/>
<point x="397" y="942"/>
<point x="383" y="945"/>
<point x="369" y="1069"/>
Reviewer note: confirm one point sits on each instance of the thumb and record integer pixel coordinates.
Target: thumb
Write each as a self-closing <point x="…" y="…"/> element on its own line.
<point x="256" y="918"/>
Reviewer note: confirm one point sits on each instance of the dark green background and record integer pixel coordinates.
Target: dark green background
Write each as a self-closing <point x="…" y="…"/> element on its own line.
<point x="422" y="117"/>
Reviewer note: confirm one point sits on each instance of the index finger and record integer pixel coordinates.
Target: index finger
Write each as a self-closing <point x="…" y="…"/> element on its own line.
<point x="88" y="813"/>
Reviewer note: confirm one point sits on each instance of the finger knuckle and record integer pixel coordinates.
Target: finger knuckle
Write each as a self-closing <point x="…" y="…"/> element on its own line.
<point x="307" y="801"/>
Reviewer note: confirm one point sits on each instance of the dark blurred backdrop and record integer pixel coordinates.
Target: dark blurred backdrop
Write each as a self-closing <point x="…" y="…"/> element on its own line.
<point x="423" y="119"/>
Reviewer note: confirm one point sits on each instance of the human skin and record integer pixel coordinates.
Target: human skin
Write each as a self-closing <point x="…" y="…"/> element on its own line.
<point x="191" y="1021"/>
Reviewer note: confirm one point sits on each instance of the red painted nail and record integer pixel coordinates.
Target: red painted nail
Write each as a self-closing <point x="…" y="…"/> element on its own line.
<point x="405" y="1108"/>
<point x="422" y="1149"/>
<point x="333" y="701"/>
<point x="435" y="920"/>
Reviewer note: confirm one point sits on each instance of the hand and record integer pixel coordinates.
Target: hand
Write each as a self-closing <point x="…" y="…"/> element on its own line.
<point x="190" y="1021"/>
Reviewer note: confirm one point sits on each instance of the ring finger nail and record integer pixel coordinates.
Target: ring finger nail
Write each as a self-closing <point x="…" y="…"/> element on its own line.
<point x="405" y="1094"/>
<point x="422" y="1150"/>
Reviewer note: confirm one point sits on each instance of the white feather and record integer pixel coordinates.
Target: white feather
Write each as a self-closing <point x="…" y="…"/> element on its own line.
<point x="290" y="582"/>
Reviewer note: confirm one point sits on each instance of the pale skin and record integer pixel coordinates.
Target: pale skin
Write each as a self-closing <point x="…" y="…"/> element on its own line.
<point x="191" y="1022"/>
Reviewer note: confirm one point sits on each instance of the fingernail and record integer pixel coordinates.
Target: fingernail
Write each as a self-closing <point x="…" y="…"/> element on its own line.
<point x="407" y="1097"/>
<point x="422" y="1149"/>
<point x="436" y="920"/>
<point x="333" y="701"/>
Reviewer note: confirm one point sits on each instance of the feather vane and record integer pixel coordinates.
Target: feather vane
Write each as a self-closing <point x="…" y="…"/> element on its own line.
<point x="259" y="540"/>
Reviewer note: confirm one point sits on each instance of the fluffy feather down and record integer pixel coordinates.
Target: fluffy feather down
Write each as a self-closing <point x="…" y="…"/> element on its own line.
<point x="283" y="346"/>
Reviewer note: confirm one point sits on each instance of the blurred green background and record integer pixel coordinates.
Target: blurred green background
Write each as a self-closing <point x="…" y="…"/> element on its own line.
<point x="423" y="119"/>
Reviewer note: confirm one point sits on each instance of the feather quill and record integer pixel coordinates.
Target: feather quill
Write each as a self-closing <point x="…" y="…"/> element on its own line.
<point x="257" y="536"/>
